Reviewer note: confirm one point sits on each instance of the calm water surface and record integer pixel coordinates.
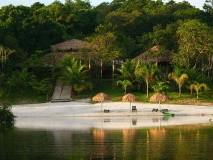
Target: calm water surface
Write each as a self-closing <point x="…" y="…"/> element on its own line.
<point x="183" y="142"/>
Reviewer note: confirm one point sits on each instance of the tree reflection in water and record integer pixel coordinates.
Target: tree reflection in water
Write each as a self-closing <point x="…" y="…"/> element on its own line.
<point x="192" y="142"/>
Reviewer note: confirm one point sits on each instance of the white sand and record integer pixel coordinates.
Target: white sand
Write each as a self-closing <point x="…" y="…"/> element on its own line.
<point x="82" y="115"/>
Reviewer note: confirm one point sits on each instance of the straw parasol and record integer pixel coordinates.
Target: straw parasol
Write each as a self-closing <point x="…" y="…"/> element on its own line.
<point x="129" y="98"/>
<point x="158" y="97"/>
<point x="101" y="97"/>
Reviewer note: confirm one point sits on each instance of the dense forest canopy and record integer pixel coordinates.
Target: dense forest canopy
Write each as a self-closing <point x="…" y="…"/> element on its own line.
<point x="136" y="24"/>
<point x="122" y="29"/>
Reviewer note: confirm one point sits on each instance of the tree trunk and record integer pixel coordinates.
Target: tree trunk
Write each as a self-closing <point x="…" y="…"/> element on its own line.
<point x="9" y="91"/>
<point x="179" y="90"/>
<point x="147" y="89"/>
<point x="71" y="92"/>
<point x="2" y="66"/>
<point x="191" y="91"/>
<point x="210" y="62"/>
<point x="22" y="91"/>
<point x="47" y="97"/>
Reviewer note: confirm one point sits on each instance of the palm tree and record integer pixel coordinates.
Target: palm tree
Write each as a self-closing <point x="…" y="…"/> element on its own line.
<point x="146" y="71"/>
<point x="2" y="90"/>
<point x="41" y="86"/>
<point x="179" y="79"/>
<point x="161" y="87"/>
<point x="4" y="53"/>
<point x="127" y="71"/>
<point x="74" y="75"/>
<point x="21" y="79"/>
<point x="10" y="83"/>
<point x="193" y="75"/>
<point x="197" y="87"/>
<point x="124" y="84"/>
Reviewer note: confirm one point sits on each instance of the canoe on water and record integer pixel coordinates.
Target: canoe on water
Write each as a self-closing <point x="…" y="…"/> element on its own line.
<point x="168" y="114"/>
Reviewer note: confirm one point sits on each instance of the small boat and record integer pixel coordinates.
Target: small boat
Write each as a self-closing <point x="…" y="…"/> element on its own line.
<point x="168" y="114"/>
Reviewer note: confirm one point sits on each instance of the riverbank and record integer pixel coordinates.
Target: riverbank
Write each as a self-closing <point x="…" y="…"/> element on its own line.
<point x="86" y="109"/>
<point x="78" y="115"/>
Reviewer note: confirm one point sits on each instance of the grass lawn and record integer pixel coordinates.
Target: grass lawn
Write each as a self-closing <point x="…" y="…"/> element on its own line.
<point x="116" y="93"/>
<point x="29" y="97"/>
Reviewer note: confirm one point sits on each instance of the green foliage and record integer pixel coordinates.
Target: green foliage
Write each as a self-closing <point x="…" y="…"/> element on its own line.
<point x="29" y="96"/>
<point x="197" y="87"/>
<point x="4" y="55"/>
<point x="123" y="21"/>
<point x="20" y="79"/>
<point x="7" y="119"/>
<point x="146" y="71"/>
<point x="179" y="78"/>
<point x="161" y="87"/>
<point x="41" y="86"/>
<point x="194" y="37"/>
<point x="74" y="75"/>
<point x="124" y="84"/>
<point x="127" y="46"/>
<point x="116" y="31"/>
<point x="164" y="37"/>
<point x="104" y="47"/>
<point x="127" y="71"/>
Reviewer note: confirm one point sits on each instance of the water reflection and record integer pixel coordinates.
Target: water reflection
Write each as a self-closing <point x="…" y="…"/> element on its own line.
<point x="108" y="138"/>
<point x="191" y="142"/>
<point x="86" y="123"/>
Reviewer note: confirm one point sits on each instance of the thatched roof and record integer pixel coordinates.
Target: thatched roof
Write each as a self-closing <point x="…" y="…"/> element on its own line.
<point x="56" y="57"/>
<point x="155" y="55"/>
<point x="159" y="97"/>
<point x="100" y="97"/>
<point x="68" y="45"/>
<point x="129" y="98"/>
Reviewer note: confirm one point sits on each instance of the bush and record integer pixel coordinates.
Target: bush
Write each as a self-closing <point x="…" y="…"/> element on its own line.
<point x="7" y="119"/>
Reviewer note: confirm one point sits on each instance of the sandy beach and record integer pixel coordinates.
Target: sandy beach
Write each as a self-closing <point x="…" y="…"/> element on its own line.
<point x="85" y="109"/>
<point x="82" y="114"/>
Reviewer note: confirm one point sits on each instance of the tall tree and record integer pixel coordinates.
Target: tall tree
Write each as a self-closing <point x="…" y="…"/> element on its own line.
<point x="179" y="78"/>
<point x="123" y="22"/>
<point x="41" y="86"/>
<point x="164" y="37"/>
<point x="78" y="17"/>
<point x="102" y="10"/>
<point x="197" y="87"/>
<point x="127" y="71"/>
<point x="21" y="79"/>
<point x="74" y="75"/>
<point x="208" y="6"/>
<point x="146" y="71"/>
<point x="36" y="6"/>
<point x="4" y="55"/>
<point x="161" y="87"/>
<point x="124" y="84"/>
<point x="105" y="47"/>
<point x="193" y="42"/>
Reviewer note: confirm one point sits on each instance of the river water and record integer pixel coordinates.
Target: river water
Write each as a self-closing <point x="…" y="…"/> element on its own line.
<point x="107" y="138"/>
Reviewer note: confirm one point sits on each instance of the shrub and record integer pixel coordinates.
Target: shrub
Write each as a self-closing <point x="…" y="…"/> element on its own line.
<point x="7" y="119"/>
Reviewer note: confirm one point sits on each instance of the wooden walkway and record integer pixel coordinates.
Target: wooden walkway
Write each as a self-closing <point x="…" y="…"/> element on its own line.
<point x="61" y="93"/>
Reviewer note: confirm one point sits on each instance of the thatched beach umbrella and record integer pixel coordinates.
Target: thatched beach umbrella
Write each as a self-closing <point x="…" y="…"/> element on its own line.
<point x="158" y="97"/>
<point x="101" y="97"/>
<point x="129" y="98"/>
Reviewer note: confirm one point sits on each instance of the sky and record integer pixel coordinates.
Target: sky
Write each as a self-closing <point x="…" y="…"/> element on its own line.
<point x="196" y="3"/>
